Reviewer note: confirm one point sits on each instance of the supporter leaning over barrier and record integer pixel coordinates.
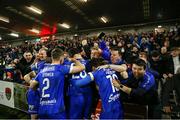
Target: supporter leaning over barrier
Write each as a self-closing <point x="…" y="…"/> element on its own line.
<point x="140" y="88"/>
<point x="24" y="64"/>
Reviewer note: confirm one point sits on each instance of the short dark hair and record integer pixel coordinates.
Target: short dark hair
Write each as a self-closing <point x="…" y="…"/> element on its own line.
<point x="95" y="62"/>
<point x="61" y="47"/>
<point x="56" y="53"/>
<point x="116" y="49"/>
<point x="155" y="53"/>
<point x="73" y="51"/>
<point x="140" y="62"/>
<point x="28" y="51"/>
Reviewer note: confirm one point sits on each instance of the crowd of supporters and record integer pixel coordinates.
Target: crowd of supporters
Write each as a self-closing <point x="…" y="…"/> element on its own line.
<point x="160" y="51"/>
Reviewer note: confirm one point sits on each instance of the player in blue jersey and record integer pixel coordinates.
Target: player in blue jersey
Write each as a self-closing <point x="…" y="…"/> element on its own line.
<point x="141" y="88"/>
<point x="111" y="104"/>
<point x="37" y="65"/>
<point x="33" y="103"/>
<point x="33" y="96"/>
<point x="80" y="98"/>
<point x="51" y="85"/>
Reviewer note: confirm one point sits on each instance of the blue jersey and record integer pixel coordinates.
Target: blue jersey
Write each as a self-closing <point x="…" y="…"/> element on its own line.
<point x="75" y="89"/>
<point x="33" y="101"/>
<point x="33" y="96"/>
<point x="108" y="93"/>
<point x="144" y="90"/>
<point x="111" y="104"/>
<point x="80" y="97"/>
<point x="66" y="62"/>
<point x="106" y="54"/>
<point x="146" y="82"/>
<point x="37" y="66"/>
<point x="51" y="85"/>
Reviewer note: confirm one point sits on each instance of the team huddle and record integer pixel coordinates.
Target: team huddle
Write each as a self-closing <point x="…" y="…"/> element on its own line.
<point x="64" y="88"/>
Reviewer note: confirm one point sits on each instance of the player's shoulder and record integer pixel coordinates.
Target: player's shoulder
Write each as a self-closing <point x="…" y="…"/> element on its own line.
<point x="67" y="62"/>
<point x="63" y="68"/>
<point x="99" y="71"/>
<point x="46" y="64"/>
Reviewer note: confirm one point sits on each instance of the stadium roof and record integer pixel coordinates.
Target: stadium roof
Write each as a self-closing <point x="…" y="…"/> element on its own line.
<point x="26" y="17"/>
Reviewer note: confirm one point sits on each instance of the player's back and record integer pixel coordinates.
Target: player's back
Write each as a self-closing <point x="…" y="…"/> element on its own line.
<point x="51" y="84"/>
<point x="75" y="89"/>
<point x="108" y="93"/>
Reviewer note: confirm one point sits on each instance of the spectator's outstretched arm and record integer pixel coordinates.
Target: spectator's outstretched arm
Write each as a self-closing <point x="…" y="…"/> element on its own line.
<point x="118" y="68"/>
<point x="124" y="88"/>
<point x="132" y="92"/>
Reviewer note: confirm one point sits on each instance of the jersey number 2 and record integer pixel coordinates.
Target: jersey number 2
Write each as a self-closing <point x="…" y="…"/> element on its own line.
<point x="47" y="84"/>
